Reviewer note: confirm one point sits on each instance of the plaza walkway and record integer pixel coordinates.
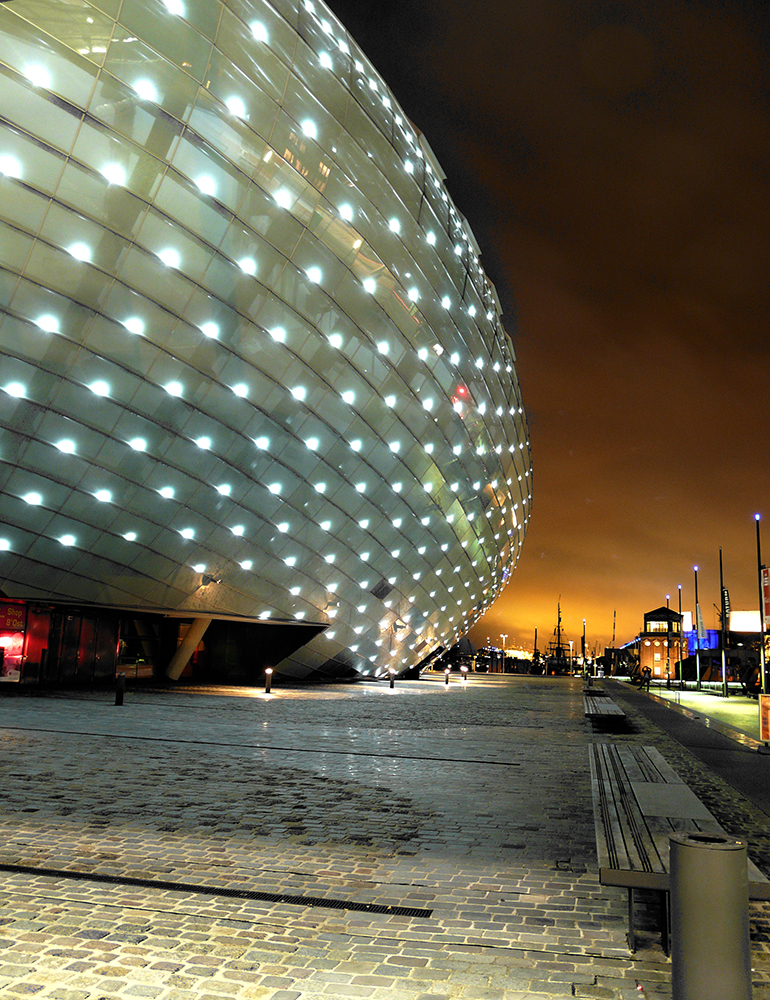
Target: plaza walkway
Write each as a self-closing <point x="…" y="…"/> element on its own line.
<point x="421" y="843"/>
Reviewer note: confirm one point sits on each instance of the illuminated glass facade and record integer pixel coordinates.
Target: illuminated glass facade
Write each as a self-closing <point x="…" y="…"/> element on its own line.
<point x="250" y="363"/>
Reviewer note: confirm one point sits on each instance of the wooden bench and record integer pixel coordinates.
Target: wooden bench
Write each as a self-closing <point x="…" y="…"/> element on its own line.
<point x="639" y="801"/>
<point x="600" y="709"/>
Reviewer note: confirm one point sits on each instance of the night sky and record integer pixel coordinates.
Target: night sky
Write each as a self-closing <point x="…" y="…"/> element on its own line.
<point x="612" y="161"/>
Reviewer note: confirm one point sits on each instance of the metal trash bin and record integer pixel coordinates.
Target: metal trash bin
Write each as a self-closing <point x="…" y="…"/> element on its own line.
<point x="709" y="884"/>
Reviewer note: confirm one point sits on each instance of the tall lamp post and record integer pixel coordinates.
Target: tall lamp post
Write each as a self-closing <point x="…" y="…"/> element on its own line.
<point x="583" y="648"/>
<point x="503" y="636"/>
<point x="679" y="659"/>
<point x="762" y="678"/>
<point x="723" y="632"/>
<point x="698" y="631"/>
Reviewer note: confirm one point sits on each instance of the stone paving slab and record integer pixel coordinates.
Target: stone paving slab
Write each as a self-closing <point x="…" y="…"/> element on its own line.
<point x="472" y="803"/>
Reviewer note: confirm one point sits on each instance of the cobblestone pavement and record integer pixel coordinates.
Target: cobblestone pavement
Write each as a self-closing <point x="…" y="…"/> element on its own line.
<point x="280" y="835"/>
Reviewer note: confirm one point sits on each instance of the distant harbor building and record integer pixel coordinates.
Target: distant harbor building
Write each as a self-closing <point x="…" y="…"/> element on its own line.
<point x="662" y="645"/>
<point x="257" y="404"/>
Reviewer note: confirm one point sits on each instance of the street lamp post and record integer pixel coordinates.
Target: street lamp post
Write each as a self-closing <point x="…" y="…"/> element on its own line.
<point x="697" y="633"/>
<point x="762" y="678"/>
<point x="668" y="642"/>
<point x="503" y="636"/>
<point x="681" y="670"/>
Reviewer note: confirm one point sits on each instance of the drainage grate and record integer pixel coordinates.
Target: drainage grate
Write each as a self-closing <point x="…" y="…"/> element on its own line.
<point x="215" y="890"/>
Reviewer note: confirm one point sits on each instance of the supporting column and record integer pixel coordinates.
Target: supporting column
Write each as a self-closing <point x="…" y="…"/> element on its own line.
<point x="187" y="647"/>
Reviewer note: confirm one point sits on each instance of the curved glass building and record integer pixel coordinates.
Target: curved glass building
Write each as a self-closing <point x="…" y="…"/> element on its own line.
<point x="251" y="366"/>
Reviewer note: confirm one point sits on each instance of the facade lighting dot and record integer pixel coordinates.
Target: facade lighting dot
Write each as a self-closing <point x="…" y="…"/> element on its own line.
<point x="320" y="487"/>
<point x="295" y="591"/>
<point x="390" y="401"/>
<point x="68" y="540"/>
<point x="187" y="533"/>
<point x="364" y="557"/>
<point x="421" y="550"/>
<point x="299" y="392"/>
<point x="262" y="443"/>
<point x="383" y="347"/>
<point x="206" y="184"/>
<point x="204" y="443"/>
<point x="429" y="448"/>
<point x="248" y="265"/>
<point x="355" y="444"/>
<point x="394" y="226"/>
<point x="173" y="388"/>
<point x="413" y="294"/>
<point x="278" y="334"/>
<point x="427" y="487"/>
<point x="199" y="567"/>
<point x="409" y="167"/>
<point x="259" y="31"/>
<point x="348" y="397"/>
<point x="330" y="634"/>
<point x="361" y="487"/>
<point x="10" y="166"/>
<point x="395" y="446"/>
<point x="346" y="212"/>
<point x="335" y="339"/>
<point x="48" y="323"/>
<point x="146" y="90"/>
<point x="38" y="76"/>
<point x="99" y="388"/>
<point x="170" y="257"/>
<point x="397" y="522"/>
<point x="329" y="558"/>
<point x="130" y="536"/>
<point x="210" y="330"/>
<point x="309" y="128"/>
<point x="283" y="198"/>
<point x="425" y="522"/>
<point x="134" y="325"/>
<point x="325" y="525"/>
<point x="236" y="107"/>
<point x="238" y="530"/>
<point x="67" y="446"/>
<point x="224" y="489"/>
<point x="275" y="488"/>
<point x="397" y="487"/>
<point x="138" y="444"/>
<point x="458" y="250"/>
<point x="80" y="251"/>
<point x="241" y="389"/>
<point x="325" y="60"/>
<point x="479" y="362"/>
<point x="290" y="561"/>
<point x="471" y="311"/>
<point x="446" y="302"/>
<point x="175" y="7"/>
<point x="246" y="564"/>
<point x="15" y="389"/>
<point x="364" y="524"/>
<point x="312" y="443"/>
<point x="427" y="404"/>
<point x="283" y="527"/>
<point x="314" y="274"/>
<point x="370" y="285"/>
<point x="33" y="499"/>
<point x="167" y="492"/>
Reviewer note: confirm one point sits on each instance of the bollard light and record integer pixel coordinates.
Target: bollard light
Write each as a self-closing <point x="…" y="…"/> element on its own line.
<point x="268" y="679"/>
<point x="446" y="676"/>
<point x="120" y="687"/>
